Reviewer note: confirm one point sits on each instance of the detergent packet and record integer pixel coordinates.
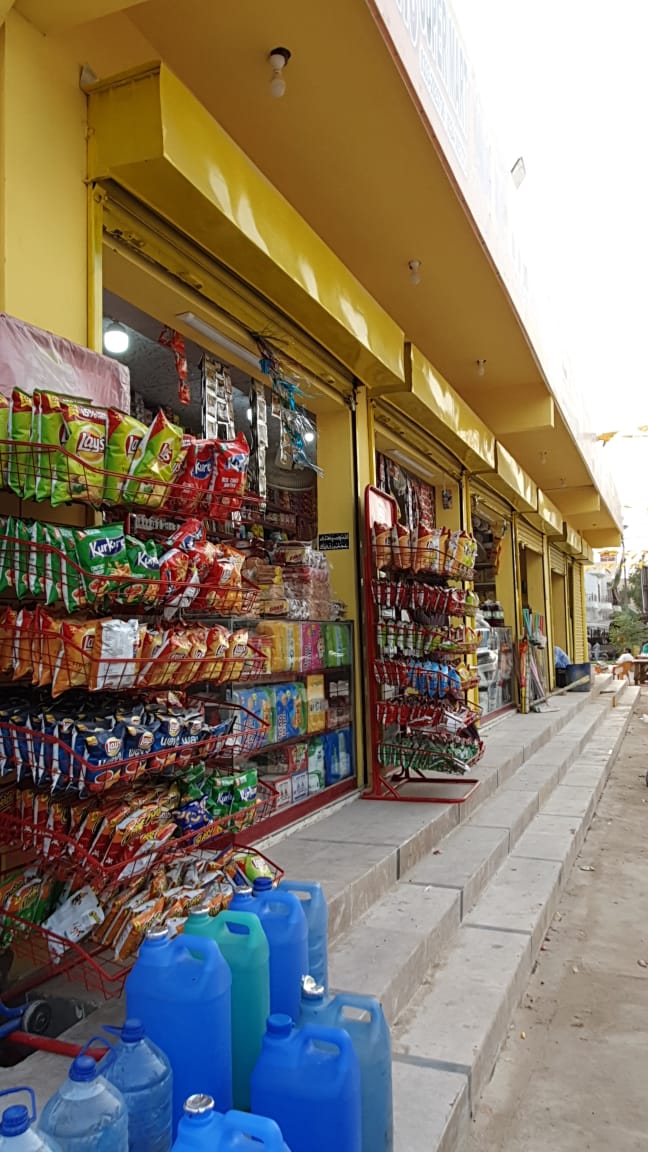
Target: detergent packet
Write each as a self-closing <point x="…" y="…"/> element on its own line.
<point x="49" y="421"/>
<point x="102" y="554"/>
<point x="79" y="472"/>
<point x="22" y="473"/>
<point x="152" y="469"/>
<point x="125" y="434"/>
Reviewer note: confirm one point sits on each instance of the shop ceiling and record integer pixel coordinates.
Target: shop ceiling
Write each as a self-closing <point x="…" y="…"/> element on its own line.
<point x="346" y="147"/>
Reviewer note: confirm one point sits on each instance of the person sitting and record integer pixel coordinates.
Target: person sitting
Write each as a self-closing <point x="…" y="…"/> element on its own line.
<point x="624" y="665"/>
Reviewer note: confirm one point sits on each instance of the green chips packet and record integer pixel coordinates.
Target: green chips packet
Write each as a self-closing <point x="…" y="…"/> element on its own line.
<point x="144" y="561"/>
<point x="125" y="434"/>
<point x="21" y="476"/>
<point x="79" y="470"/>
<point x="102" y="553"/>
<point x="7" y="556"/>
<point x="49" y="423"/>
<point x="4" y="437"/>
<point x="152" y="469"/>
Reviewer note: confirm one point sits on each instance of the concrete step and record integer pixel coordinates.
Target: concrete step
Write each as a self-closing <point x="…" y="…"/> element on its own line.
<point x="447" y="1040"/>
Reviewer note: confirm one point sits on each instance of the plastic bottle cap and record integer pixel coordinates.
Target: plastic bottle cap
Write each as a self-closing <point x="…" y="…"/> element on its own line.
<point x="279" y="1025"/>
<point x="243" y="890"/>
<point x="83" y="1069"/>
<point x="204" y="911"/>
<point x="262" y="884"/>
<point x="157" y="933"/>
<point x="311" y="990"/>
<point x="133" y="1031"/>
<point x="198" y="1105"/>
<point x="15" y="1120"/>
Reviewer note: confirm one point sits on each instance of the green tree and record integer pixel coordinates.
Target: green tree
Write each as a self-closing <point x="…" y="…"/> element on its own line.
<point x="627" y="629"/>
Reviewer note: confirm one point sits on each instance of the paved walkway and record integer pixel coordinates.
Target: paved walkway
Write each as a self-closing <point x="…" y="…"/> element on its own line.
<point x="573" y="1074"/>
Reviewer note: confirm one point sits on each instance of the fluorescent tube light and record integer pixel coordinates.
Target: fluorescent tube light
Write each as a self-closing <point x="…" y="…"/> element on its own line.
<point x="223" y="342"/>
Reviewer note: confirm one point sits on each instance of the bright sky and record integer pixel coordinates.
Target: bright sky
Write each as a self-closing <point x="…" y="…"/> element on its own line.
<point x="564" y="85"/>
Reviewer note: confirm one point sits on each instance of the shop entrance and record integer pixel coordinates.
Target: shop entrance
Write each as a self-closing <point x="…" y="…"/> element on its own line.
<point x="495" y="586"/>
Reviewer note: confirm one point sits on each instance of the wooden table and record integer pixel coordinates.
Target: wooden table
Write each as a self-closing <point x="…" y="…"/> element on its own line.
<point x="641" y="670"/>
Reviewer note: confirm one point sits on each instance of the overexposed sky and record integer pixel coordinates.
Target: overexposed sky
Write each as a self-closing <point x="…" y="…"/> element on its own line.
<point x="564" y="84"/>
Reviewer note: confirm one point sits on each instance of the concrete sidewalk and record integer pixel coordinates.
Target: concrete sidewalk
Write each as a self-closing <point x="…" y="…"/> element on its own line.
<point x="572" y="1075"/>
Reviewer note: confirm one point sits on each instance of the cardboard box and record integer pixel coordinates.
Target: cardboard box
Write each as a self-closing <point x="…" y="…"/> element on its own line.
<point x="299" y="786"/>
<point x="316" y="703"/>
<point x="282" y="785"/>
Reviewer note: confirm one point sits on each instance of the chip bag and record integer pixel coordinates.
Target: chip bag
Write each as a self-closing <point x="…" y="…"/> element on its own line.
<point x="72" y="582"/>
<point x="22" y="550"/>
<point x="36" y="559"/>
<point x="22" y="473"/>
<point x="4" y="438"/>
<point x="73" y="665"/>
<point x="153" y="464"/>
<point x="46" y="648"/>
<point x="7" y="633"/>
<point x="49" y="421"/>
<point x="232" y="459"/>
<point x="144" y="564"/>
<point x="196" y="481"/>
<point x="79" y="472"/>
<point x="125" y="434"/>
<point x="7" y="556"/>
<point x="102" y="554"/>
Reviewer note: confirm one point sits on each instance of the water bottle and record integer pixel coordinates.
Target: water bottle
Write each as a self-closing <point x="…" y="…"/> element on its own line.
<point x="16" y="1132"/>
<point x="284" y="923"/>
<point x="315" y="908"/>
<point x="363" y="1019"/>
<point x="245" y="947"/>
<point x="240" y="1132"/>
<point x="308" y="1081"/>
<point x="180" y="987"/>
<point x="198" y="1125"/>
<point x="86" y="1114"/>
<point x="142" y="1073"/>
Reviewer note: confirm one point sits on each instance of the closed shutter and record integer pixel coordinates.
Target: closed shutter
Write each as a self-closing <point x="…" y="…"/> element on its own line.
<point x="528" y="536"/>
<point x="579" y="621"/>
<point x="557" y="560"/>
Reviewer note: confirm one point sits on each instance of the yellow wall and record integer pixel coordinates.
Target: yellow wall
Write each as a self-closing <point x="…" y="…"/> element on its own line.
<point x="531" y="568"/>
<point x="43" y="167"/>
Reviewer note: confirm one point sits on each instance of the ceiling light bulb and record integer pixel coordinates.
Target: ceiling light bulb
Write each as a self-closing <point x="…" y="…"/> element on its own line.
<point x="249" y="415"/>
<point x="278" y="58"/>
<point x="309" y="437"/>
<point x="415" y="271"/>
<point x="116" y="339"/>
<point x="481" y="367"/>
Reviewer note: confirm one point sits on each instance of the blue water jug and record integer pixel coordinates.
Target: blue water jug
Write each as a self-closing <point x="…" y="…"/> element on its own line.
<point x="363" y="1019"/>
<point x="198" y="1125"/>
<point x="308" y="1081"/>
<point x="86" y="1112"/>
<point x="315" y="908"/>
<point x="284" y="923"/>
<point x="142" y="1073"/>
<point x="180" y="988"/>
<point x="241" y="1132"/>
<point x="242" y="900"/>
<point x="16" y="1132"/>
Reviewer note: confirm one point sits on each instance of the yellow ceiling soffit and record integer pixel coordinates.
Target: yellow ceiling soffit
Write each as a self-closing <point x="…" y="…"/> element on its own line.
<point x="512" y="482"/>
<point x="56" y="15"/>
<point x="610" y="537"/>
<point x="548" y="518"/>
<point x="431" y="403"/>
<point x="152" y="137"/>
<point x="587" y="553"/>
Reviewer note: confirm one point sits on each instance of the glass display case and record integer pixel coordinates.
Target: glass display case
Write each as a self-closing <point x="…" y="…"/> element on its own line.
<point x="494" y="666"/>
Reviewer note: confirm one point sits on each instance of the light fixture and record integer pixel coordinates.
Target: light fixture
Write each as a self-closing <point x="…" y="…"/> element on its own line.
<point x="419" y="468"/>
<point x="518" y="171"/>
<point x="116" y="339"/>
<point x="309" y="437"/>
<point x="206" y="329"/>
<point x="481" y="367"/>
<point x="414" y="271"/>
<point x="278" y="58"/>
<point x="249" y="415"/>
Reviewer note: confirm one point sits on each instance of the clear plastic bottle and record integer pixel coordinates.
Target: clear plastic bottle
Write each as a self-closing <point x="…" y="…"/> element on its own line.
<point x="86" y="1114"/>
<point x="142" y="1073"/>
<point x="17" y="1133"/>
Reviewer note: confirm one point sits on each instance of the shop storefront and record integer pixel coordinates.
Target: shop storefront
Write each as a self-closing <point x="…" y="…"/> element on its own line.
<point x="495" y="579"/>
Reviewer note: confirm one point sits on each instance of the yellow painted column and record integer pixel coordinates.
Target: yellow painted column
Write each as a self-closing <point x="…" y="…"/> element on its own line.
<point x="549" y="618"/>
<point x="43" y="240"/>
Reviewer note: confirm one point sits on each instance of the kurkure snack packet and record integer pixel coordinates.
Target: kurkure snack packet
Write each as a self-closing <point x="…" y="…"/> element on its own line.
<point x="22" y="549"/>
<point x="49" y="421"/>
<point x="72" y="582"/>
<point x="125" y="434"/>
<point x="152" y="468"/>
<point x="36" y="560"/>
<point x="79" y="473"/>
<point x="22" y="473"/>
<point x="4" y="437"/>
<point x="102" y="554"/>
<point x="7" y="554"/>
<point x="144" y="564"/>
<point x="54" y="561"/>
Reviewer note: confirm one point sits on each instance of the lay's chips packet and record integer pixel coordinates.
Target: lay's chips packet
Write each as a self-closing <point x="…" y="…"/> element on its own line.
<point x="79" y="473"/>
<point x="22" y="473"/>
<point x="4" y="438"/>
<point x="49" y="422"/>
<point x="125" y="435"/>
<point x="153" y="466"/>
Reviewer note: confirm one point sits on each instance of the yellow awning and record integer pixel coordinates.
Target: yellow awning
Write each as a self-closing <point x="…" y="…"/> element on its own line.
<point x="512" y="482"/>
<point x="571" y="541"/>
<point x="153" y="138"/>
<point x="548" y="518"/>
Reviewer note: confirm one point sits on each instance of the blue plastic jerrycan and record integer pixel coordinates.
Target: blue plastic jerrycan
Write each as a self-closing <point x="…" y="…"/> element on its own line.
<point x="244" y="945"/>
<point x="198" y="1125"/>
<point x="241" y="1132"/>
<point x="86" y="1112"/>
<point x="315" y="908"/>
<point x="142" y="1073"/>
<point x="243" y="899"/>
<point x="308" y="1081"/>
<point x="363" y="1019"/>
<point x="17" y="1133"/>
<point x="180" y="987"/>
<point x="284" y="924"/>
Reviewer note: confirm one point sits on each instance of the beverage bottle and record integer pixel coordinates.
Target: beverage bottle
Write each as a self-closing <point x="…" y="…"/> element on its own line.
<point x="142" y="1073"/>
<point x="86" y="1114"/>
<point x="17" y="1131"/>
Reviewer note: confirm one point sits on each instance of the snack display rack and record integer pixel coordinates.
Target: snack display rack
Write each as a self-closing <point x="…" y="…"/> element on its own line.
<point x="419" y="608"/>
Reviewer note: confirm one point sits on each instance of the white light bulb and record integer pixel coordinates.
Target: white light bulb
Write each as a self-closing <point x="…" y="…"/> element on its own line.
<point x="116" y="339"/>
<point x="249" y="415"/>
<point x="309" y="437"/>
<point x="277" y="85"/>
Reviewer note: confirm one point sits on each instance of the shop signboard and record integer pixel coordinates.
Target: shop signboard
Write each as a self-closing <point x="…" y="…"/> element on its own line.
<point x="334" y="541"/>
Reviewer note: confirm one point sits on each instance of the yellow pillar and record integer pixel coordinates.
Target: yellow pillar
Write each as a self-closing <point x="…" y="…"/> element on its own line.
<point x="549" y="617"/>
<point x="43" y="242"/>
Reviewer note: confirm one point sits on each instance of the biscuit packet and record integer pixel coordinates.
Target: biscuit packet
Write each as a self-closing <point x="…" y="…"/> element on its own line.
<point x="125" y="434"/>
<point x="153" y="465"/>
<point x="103" y="556"/>
<point x="21" y="476"/>
<point x="49" y="423"/>
<point x="79" y="471"/>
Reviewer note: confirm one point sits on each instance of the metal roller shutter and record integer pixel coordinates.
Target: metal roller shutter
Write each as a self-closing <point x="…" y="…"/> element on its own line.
<point x="579" y="621"/>
<point x="528" y="536"/>
<point x="557" y="560"/>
